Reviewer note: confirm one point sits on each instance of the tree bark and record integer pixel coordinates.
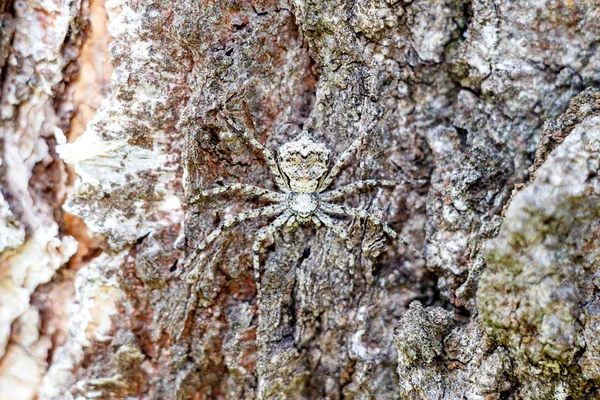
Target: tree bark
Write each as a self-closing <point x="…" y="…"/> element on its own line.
<point x="492" y="104"/>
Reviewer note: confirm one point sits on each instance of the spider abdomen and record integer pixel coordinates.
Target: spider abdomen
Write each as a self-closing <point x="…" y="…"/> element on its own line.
<point x="303" y="205"/>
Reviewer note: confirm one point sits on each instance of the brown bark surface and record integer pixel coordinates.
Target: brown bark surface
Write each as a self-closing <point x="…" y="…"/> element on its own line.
<point x="104" y="295"/>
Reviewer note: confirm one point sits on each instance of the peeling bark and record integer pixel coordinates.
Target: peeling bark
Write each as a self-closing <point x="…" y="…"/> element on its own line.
<point x="477" y="98"/>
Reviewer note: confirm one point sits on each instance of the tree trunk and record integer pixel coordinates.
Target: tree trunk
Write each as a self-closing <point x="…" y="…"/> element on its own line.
<point x="478" y="109"/>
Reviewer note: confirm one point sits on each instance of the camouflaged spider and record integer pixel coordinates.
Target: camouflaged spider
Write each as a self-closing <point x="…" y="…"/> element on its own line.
<point x="301" y="171"/>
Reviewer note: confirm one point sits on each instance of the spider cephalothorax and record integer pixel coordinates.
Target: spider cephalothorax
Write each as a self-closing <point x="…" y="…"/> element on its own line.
<point x="302" y="174"/>
<point x="304" y="162"/>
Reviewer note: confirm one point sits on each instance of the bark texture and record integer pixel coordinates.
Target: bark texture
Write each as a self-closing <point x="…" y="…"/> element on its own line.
<point x="485" y="101"/>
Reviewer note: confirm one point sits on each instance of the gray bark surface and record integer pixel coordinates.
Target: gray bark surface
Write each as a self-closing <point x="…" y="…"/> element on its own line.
<point x="493" y="104"/>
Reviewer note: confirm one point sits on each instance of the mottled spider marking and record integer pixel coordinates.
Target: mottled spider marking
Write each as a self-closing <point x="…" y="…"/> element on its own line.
<point x="358" y="186"/>
<point x="229" y="222"/>
<point x="342" y="210"/>
<point x="266" y="154"/>
<point x="247" y="189"/>
<point x="262" y="235"/>
<point x="301" y="171"/>
<point x="304" y="162"/>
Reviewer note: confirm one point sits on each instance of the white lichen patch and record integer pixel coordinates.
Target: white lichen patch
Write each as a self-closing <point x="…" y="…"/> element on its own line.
<point x="22" y="272"/>
<point x="120" y="179"/>
<point x="20" y="374"/>
<point x="94" y="305"/>
<point x="106" y="164"/>
<point x="105" y="169"/>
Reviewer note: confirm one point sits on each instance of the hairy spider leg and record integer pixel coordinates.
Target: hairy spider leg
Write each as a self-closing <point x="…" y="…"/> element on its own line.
<point x="361" y="185"/>
<point x="356" y="187"/>
<point x="267" y="154"/>
<point x="246" y="189"/>
<point x="261" y="236"/>
<point x="228" y="222"/>
<point x="336" y="227"/>
<point x="291" y="221"/>
<point x="337" y="167"/>
<point x="339" y="164"/>
<point x="338" y="209"/>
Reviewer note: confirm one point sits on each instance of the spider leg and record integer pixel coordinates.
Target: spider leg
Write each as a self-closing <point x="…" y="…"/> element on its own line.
<point x="357" y="186"/>
<point x="335" y="227"/>
<point x="339" y="164"/>
<point x="337" y="209"/>
<point x="267" y="154"/>
<point x="260" y="238"/>
<point x="291" y="221"/>
<point x="316" y="221"/>
<point x="228" y="222"/>
<point x="246" y="189"/>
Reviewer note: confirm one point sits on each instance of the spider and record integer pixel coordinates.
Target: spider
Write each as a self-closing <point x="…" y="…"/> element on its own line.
<point x="300" y="170"/>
